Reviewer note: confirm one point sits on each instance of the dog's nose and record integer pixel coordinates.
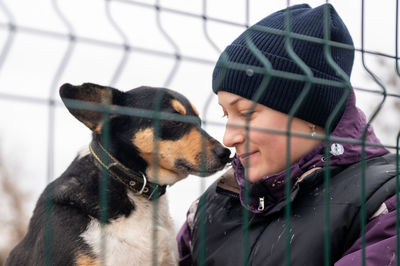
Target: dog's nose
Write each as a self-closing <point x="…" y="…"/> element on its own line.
<point x="222" y="153"/>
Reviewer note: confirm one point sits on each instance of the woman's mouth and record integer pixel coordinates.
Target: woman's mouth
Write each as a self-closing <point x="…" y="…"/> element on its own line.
<point x="247" y="156"/>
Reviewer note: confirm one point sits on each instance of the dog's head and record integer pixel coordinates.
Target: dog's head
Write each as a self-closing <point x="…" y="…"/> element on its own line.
<point x="165" y="149"/>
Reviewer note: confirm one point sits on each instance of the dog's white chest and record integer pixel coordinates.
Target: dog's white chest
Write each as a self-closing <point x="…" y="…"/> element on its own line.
<point x="129" y="240"/>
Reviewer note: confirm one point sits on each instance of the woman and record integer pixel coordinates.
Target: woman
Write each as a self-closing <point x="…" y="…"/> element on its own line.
<point x="215" y="234"/>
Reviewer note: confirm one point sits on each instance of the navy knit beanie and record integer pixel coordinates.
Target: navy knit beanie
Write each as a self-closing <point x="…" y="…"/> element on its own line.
<point x="280" y="93"/>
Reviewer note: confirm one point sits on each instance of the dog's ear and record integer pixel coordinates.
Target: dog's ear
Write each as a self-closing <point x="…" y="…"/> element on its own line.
<point x="92" y="93"/>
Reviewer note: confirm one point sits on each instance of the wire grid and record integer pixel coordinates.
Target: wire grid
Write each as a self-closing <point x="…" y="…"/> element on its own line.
<point x="73" y="40"/>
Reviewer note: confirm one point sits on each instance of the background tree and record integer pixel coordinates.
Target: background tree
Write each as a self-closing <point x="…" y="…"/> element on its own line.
<point x="14" y="216"/>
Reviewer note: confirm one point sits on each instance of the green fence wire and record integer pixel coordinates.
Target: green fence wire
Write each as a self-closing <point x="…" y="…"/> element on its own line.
<point x="13" y="29"/>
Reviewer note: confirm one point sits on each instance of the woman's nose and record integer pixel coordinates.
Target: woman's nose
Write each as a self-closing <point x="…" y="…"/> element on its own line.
<point x="233" y="135"/>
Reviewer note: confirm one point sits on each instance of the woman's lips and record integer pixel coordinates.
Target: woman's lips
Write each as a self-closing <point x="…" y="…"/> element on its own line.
<point x="247" y="156"/>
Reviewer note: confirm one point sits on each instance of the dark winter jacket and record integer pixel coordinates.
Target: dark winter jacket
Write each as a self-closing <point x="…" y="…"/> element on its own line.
<point x="269" y="236"/>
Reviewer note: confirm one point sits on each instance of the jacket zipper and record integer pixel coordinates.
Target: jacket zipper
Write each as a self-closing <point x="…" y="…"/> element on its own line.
<point x="261" y="204"/>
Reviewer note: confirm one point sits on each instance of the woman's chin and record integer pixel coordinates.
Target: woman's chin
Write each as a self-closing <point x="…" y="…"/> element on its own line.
<point x="254" y="177"/>
<point x="254" y="174"/>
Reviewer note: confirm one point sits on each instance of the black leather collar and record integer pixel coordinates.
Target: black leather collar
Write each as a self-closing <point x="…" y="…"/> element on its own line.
<point x="135" y="181"/>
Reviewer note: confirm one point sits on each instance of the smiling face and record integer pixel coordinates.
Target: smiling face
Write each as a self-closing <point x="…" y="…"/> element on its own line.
<point x="266" y="153"/>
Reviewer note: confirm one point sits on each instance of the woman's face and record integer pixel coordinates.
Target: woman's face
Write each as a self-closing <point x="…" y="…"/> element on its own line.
<point x="266" y="152"/>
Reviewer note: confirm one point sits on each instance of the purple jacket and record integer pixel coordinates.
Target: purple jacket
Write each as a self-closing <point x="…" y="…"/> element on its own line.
<point x="380" y="235"/>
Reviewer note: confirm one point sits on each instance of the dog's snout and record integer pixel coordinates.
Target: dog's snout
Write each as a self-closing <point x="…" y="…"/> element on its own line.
<point x="222" y="153"/>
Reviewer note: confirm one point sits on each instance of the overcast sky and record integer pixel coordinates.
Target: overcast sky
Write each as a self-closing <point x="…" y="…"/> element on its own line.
<point x="31" y="67"/>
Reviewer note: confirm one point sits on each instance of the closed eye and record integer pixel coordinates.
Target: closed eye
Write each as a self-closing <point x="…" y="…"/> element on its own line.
<point x="180" y="123"/>
<point x="247" y="114"/>
<point x="175" y="123"/>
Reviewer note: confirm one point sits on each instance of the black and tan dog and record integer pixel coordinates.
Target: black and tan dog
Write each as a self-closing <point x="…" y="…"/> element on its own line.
<point x="78" y="232"/>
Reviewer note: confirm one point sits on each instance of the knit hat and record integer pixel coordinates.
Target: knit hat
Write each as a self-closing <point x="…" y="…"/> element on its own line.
<point x="234" y="71"/>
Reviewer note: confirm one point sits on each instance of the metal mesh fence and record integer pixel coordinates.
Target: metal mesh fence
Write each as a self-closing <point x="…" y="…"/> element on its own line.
<point x="130" y="57"/>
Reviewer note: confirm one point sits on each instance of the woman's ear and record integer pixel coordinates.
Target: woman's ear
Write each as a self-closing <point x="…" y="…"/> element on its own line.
<point x="91" y="93"/>
<point x="314" y="129"/>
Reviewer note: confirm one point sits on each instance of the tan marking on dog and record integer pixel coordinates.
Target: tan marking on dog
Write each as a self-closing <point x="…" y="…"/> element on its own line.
<point x="189" y="147"/>
<point x="98" y="127"/>
<point x="178" y="106"/>
<point x="144" y="140"/>
<point x="194" y="109"/>
<point x="85" y="260"/>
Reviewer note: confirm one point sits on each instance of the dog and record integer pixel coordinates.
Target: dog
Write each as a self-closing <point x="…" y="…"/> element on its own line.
<point x="100" y="210"/>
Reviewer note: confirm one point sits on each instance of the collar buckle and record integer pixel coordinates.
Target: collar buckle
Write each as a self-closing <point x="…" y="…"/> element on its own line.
<point x="144" y="185"/>
<point x="129" y="178"/>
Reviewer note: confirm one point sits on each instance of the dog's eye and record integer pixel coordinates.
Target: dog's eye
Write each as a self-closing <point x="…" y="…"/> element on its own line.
<point x="175" y="123"/>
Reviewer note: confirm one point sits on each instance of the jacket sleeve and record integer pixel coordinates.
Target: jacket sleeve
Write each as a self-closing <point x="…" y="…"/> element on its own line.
<point x="380" y="240"/>
<point x="183" y="239"/>
<point x="185" y="235"/>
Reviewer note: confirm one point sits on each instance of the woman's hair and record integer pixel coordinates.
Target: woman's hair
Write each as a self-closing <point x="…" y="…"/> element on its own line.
<point x="243" y="67"/>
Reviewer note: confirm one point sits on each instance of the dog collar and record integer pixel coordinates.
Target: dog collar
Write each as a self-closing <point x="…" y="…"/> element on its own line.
<point x="135" y="181"/>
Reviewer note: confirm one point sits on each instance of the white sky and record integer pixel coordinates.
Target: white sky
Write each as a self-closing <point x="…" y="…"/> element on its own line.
<point x="33" y="60"/>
